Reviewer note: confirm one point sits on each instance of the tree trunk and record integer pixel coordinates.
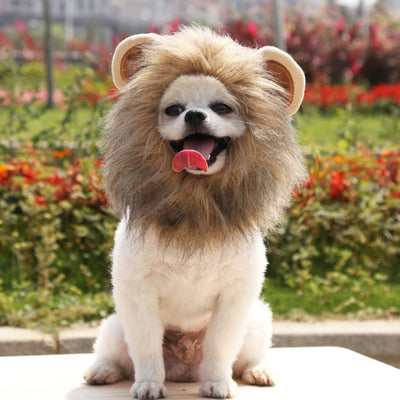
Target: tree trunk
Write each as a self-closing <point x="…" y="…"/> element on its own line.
<point x="47" y="48"/>
<point x="279" y="25"/>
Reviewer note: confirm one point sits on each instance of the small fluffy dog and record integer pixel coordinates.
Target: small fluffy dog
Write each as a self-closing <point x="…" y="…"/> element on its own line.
<point x="200" y="161"/>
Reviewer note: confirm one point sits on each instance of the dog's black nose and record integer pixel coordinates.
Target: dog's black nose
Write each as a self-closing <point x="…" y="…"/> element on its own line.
<point x="194" y="117"/>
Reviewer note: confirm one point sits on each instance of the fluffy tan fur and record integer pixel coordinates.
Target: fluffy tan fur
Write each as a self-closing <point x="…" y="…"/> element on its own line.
<point x="262" y="168"/>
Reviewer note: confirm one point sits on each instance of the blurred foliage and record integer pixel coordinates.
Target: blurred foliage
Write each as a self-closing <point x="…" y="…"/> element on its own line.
<point x="82" y="98"/>
<point x="331" y="47"/>
<point x="342" y="235"/>
<point x="340" y="238"/>
<point x="55" y="225"/>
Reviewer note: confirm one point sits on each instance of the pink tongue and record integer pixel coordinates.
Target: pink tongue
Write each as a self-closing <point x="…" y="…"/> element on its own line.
<point x="189" y="159"/>
<point x="194" y="155"/>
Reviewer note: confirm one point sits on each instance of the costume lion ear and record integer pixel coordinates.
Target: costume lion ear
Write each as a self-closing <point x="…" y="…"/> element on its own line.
<point x="128" y="57"/>
<point x="287" y="74"/>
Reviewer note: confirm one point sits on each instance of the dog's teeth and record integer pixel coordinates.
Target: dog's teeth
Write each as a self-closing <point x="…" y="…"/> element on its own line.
<point x="208" y="158"/>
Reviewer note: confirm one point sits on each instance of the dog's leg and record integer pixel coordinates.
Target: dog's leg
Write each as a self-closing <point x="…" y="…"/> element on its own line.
<point x="112" y="361"/>
<point x="224" y="337"/>
<point x="252" y="363"/>
<point x="143" y="329"/>
<point x="137" y="306"/>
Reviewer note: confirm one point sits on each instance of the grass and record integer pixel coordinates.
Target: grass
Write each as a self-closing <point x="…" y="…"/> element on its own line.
<point x="330" y="130"/>
<point x="316" y="130"/>
<point x="51" y="125"/>
<point x="29" y="307"/>
<point x="287" y="303"/>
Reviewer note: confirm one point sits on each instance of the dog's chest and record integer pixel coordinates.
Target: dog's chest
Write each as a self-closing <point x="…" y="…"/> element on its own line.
<point x="186" y="288"/>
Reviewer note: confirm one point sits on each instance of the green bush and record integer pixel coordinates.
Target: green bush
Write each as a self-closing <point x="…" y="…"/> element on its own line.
<point x="339" y="240"/>
<point x="342" y="234"/>
<point x="55" y="226"/>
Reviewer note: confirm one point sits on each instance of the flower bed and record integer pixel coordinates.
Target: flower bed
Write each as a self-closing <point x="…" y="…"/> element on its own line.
<point x="342" y="232"/>
<point x="380" y="97"/>
<point x="55" y="225"/>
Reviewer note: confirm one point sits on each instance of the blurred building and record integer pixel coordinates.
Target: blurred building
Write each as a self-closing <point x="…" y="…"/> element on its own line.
<point x="83" y="17"/>
<point x="95" y="18"/>
<point x="101" y="19"/>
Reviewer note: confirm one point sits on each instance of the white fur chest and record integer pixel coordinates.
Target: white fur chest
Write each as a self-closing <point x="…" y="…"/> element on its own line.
<point x="185" y="289"/>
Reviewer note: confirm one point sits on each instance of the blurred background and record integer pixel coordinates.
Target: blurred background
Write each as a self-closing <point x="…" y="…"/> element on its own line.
<point x="336" y="253"/>
<point x="318" y="32"/>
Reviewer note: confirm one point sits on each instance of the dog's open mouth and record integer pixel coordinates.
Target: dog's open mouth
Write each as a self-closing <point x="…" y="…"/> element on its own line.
<point x="197" y="152"/>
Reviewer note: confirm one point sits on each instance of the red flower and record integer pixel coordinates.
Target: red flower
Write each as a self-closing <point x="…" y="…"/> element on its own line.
<point x="4" y="174"/>
<point x="5" y="41"/>
<point x="62" y="153"/>
<point x="56" y="180"/>
<point x="20" y="26"/>
<point x="40" y="201"/>
<point x="338" y="185"/>
<point x="252" y="28"/>
<point x="174" y="26"/>
<point x="340" y="25"/>
<point x="99" y="163"/>
<point x="356" y="67"/>
<point x="328" y="96"/>
<point x="113" y="94"/>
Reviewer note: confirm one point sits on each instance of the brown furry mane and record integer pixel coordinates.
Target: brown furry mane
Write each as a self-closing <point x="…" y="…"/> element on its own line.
<point x="262" y="169"/>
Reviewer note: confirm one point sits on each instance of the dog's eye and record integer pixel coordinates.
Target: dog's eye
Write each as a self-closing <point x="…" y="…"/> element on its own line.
<point x="221" y="108"/>
<point x="174" y="110"/>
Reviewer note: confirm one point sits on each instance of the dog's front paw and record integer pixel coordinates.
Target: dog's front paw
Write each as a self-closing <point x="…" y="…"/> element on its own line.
<point x="258" y="376"/>
<point x="221" y="389"/>
<point x="148" y="390"/>
<point x="103" y="373"/>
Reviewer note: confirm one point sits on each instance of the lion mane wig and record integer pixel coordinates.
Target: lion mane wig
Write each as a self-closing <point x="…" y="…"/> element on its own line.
<point x="263" y="166"/>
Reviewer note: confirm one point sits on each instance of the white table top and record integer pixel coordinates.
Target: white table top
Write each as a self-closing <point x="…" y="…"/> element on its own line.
<point x="301" y="373"/>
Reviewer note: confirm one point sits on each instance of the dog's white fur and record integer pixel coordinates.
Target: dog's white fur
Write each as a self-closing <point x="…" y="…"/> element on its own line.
<point x="217" y="288"/>
<point x="212" y="289"/>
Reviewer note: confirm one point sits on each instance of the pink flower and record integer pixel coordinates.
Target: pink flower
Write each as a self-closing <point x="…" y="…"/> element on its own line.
<point x="253" y="29"/>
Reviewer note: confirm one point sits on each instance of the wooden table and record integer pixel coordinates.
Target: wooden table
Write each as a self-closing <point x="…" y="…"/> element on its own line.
<point x="307" y="373"/>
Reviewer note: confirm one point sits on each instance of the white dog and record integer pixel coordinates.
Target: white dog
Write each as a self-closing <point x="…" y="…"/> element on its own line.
<point x="200" y="160"/>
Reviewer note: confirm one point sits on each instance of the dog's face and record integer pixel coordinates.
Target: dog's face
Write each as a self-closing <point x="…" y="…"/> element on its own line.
<point x="199" y="118"/>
